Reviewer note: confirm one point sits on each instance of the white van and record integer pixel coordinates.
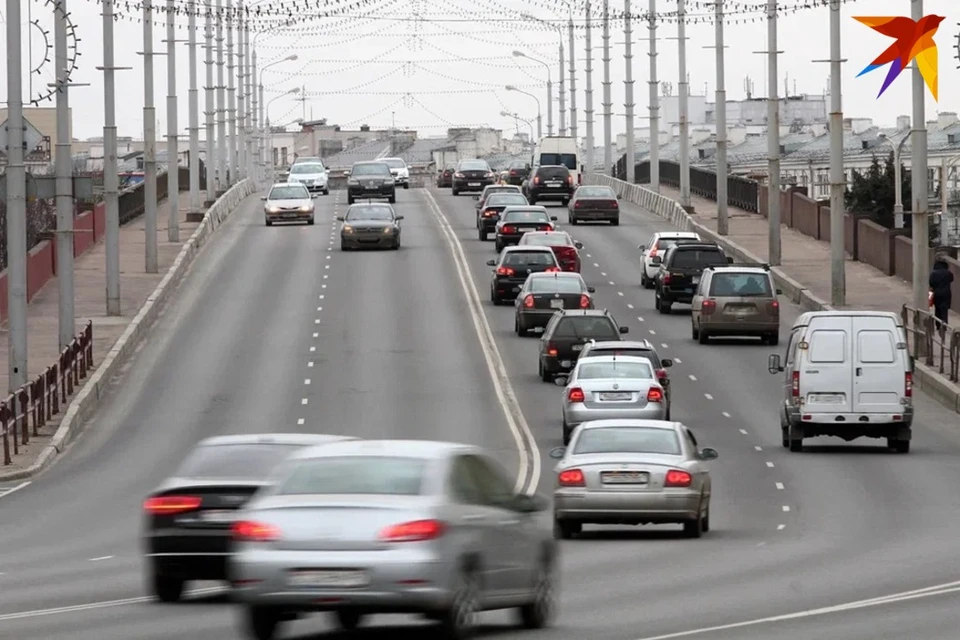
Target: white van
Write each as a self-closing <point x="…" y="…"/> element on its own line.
<point x="847" y="374"/>
<point x="557" y="150"/>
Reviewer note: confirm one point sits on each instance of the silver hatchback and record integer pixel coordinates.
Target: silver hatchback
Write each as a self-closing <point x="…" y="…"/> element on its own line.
<point x="393" y="526"/>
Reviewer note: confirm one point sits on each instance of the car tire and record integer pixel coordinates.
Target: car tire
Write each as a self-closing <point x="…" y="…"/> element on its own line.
<point x="406" y="186"/>
<point x="565" y="529"/>
<point x="796" y="444"/>
<point x="310" y="221"/>
<point x="460" y="619"/>
<point x="395" y="246"/>
<point x="539" y="612"/>
<point x="565" y="202"/>
<point x="348" y="619"/>
<point x="454" y="192"/>
<point x="615" y="222"/>
<point x="349" y="200"/>
<point x="567" y="434"/>
<point x="393" y="199"/>
<point x="706" y="519"/>
<point x="693" y="331"/>
<point x="498" y="246"/>
<point x="703" y="336"/>
<point x="262" y="623"/>
<point x="774" y="340"/>
<point x="166" y="588"/>
<point x="574" y="221"/>
<point x="545" y="375"/>
<point x="494" y="298"/>
<point x="694" y="528"/>
<point x="899" y="446"/>
<point x="343" y="246"/>
<point x="269" y="223"/>
<point x="482" y="235"/>
<point x="326" y="191"/>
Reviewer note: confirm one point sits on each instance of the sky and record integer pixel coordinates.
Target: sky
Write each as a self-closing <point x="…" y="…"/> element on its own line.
<point x="431" y="64"/>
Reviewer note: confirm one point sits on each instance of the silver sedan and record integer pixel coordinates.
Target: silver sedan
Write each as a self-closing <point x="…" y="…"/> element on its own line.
<point x="393" y="526"/>
<point x="603" y="387"/>
<point x="632" y="472"/>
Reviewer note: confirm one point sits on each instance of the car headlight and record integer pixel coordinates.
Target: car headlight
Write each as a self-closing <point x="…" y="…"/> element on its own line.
<point x="387" y="230"/>
<point x="353" y="181"/>
<point x="388" y="181"/>
<point x="273" y="209"/>
<point x="306" y="208"/>
<point x="347" y="229"/>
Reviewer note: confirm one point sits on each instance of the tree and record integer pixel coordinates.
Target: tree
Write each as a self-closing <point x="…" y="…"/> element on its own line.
<point x="872" y="191"/>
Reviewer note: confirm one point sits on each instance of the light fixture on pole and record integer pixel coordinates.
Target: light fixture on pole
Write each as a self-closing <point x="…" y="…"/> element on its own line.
<point x="264" y="129"/>
<point x="511" y="87"/>
<point x="293" y="91"/>
<point x="521" y="54"/>
<point x="517" y="119"/>
<point x="560" y="85"/>
<point x="897" y="178"/>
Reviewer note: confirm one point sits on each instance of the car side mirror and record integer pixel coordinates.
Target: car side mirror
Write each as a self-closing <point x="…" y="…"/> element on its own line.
<point x="578" y="245"/>
<point x="553" y="218"/>
<point x="779" y="292"/>
<point x="773" y="364"/>
<point x="399" y="218"/>
<point x="491" y="263"/>
<point x="666" y="363"/>
<point x="557" y="453"/>
<point x="708" y="454"/>
<point x="729" y="260"/>
<point x="264" y="198"/>
<point x="339" y="218"/>
<point x="591" y="290"/>
<point x="561" y="381"/>
<point x="656" y="260"/>
<point x="476" y="197"/>
<point x="624" y="329"/>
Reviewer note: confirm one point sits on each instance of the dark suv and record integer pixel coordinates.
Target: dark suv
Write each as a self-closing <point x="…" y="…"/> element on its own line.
<point x="517" y="172"/>
<point x="371" y="180"/>
<point x="680" y="270"/>
<point x="550" y="182"/>
<point x="510" y="271"/>
<point x="567" y="332"/>
<point x="471" y="175"/>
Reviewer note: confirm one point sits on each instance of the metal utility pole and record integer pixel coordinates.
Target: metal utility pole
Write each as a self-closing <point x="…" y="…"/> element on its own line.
<point x="255" y="114"/>
<point x="194" y="106"/>
<point x="562" y="89"/>
<point x="222" y="163"/>
<point x="684" y="106"/>
<point x="654" y="103"/>
<point x="231" y="101"/>
<point x="838" y="181"/>
<point x="607" y="97"/>
<point x="773" y="137"/>
<point x="723" y="226"/>
<point x="918" y="168"/>
<point x="241" y="99"/>
<point x="111" y="179"/>
<point x="573" y="85"/>
<point x="265" y="150"/>
<point x="630" y="159"/>
<point x="16" y="177"/>
<point x="210" y="109"/>
<point x="249" y="128"/>
<point x="588" y="107"/>
<point x="173" y="150"/>
<point x="149" y="145"/>
<point x="64" y="182"/>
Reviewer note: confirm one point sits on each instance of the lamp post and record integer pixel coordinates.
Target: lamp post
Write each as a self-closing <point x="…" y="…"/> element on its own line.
<point x="562" y="93"/>
<point x="293" y="91"/>
<point x="517" y="118"/>
<point x="897" y="179"/>
<point x="510" y="87"/>
<point x="521" y="54"/>
<point x="263" y="127"/>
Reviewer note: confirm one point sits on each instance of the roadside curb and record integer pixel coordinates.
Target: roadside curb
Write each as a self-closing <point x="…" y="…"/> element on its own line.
<point x="925" y="378"/>
<point x="88" y="398"/>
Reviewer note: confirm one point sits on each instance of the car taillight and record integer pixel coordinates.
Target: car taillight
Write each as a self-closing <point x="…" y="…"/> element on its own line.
<point x="571" y="478"/>
<point x="908" y="384"/>
<point x="552" y="270"/>
<point x="252" y="531"/>
<point x="489" y="213"/>
<point x="584" y="301"/>
<point x="536" y="180"/>
<point x="709" y="306"/>
<point x="528" y="302"/>
<point x="551" y="349"/>
<point x="577" y="204"/>
<point x="509" y="229"/>
<point x="505" y="271"/>
<point x="570" y="180"/>
<point x="677" y="478"/>
<point x="415" y="531"/>
<point x="614" y="204"/>
<point x="576" y="395"/>
<point x="774" y="306"/>
<point x="661" y="374"/>
<point x="795" y="384"/>
<point x="170" y="505"/>
<point x="666" y="278"/>
<point x="655" y="394"/>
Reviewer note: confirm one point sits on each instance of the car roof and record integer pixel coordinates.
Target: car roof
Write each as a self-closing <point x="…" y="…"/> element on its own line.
<point x="392" y="448"/>
<point x="553" y="166"/>
<point x="695" y="245"/>
<point x="732" y="268"/>
<point x="505" y="192"/>
<point x="650" y="424"/>
<point x="369" y="162"/>
<point x="627" y="359"/>
<point x="675" y="234"/>
<point x="392" y="158"/>
<point x="526" y="248"/>
<point x="621" y="344"/>
<point x="305" y="439"/>
<point x="286" y="184"/>
<point x="526" y="207"/>
<point x="546" y="233"/>
<point x="583" y="312"/>
<point x="370" y="203"/>
<point x="543" y="275"/>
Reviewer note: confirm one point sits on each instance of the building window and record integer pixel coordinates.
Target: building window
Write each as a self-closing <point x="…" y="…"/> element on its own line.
<point x="283" y="156"/>
<point x="275" y="156"/>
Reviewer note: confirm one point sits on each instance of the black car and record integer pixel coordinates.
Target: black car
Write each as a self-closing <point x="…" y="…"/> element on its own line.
<point x="371" y="180"/>
<point x="680" y="269"/>
<point x="471" y="175"/>
<point x="639" y="348"/>
<point x="494" y="205"/>
<point x="544" y="293"/>
<point x="510" y="271"/>
<point x="492" y="189"/>
<point x="593" y="203"/>
<point x="370" y="225"/>
<point x="517" y="220"/>
<point x="565" y="334"/>
<point x="445" y="177"/>
<point x="188" y="517"/>
<point x="550" y="182"/>
<point x="517" y="172"/>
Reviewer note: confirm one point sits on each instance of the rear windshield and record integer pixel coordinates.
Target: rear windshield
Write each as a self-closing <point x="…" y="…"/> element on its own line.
<point x="395" y="163"/>
<point x="628" y="440"/>
<point x="596" y="370"/>
<point x="366" y="212"/>
<point x="489" y="191"/>
<point x="596" y="327"/>
<point x="685" y="259"/>
<point x="524" y="258"/>
<point x="526" y="216"/>
<point x="666" y="243"/>
<point x="642" y="353"/>
<point x="503" y="199"/>
<point x="249" y="460"/>
<point x="553" y="172"/>
<point x="370" y="169"/>
<point x="474" y="165"/>
<point x="740" y="285"/>
<point x="547" y="239"/>
<point x="288" y="193"/>
<point x="596" y="192"/>
<point x="568" y="160"/>
<point x="518" y="165"/>
<point x="556" y="285"/>
<point x="356" y="475"/>
<point x="306" y="168"/>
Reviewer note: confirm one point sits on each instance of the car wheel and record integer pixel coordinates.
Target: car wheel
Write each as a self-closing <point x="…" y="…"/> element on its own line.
<point x="166" y="588"/>
<point x="494" y="298"/>
<point x="694" y="528"/>
<point x="615" y="222"/>
<point x="574" y="221"/>
<point x="567" y="434"/>
<point x="693" y="331"/>
<point x="348" y="619"/>
<point x="565" y="202"/>
<point x="796" y="444"/>
<point x="406" y="186"/>
<point x="310" y="221"/>
<point x="459" y="621"/>
<point x="663" y="307"/>
<point x="545" y="375"/>
<point x="269" y="223"/>
<point x="343" y="246"/>
<point x="482" y="235"/>
<point x="498" y="247"/>
<point x="703" y="336"/>
<point x="326" y="191"/>
<point x="262" y="623"/>
<point x="774" y="339"/>
<point x="396" y="246"/>
<point x="538" y="613"/>
<point x="899" y="446"/>
<point x="454" y="192"/>
<point x="564" y="529"/>
<point x="393" y="199"/>
<point x="706" y="519"/>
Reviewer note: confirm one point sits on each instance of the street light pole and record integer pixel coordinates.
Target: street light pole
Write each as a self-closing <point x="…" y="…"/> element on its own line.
<point x="511" y="87"/>
<point x="64" y="183"/>
<point x="918" y="161"/>
<point x="838" y="181"/>
<point x="521" y="54"/>
<point x="194" y="105"/>
<point x="173" y="133"/>
<point x="210" y="110"/>
<point x="222" y="162"/>
<point x="654" y="107"/>
<point x="231" y="100"/>
<point x="149" y="144"/>
<point x="630" y="157"/>
<point x="721" y="115"/>
<point x="111" y="179"/>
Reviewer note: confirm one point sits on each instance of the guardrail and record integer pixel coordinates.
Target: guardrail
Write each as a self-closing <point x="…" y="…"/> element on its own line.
<point x="30" y="407"/>
<point x="936" y="344"/>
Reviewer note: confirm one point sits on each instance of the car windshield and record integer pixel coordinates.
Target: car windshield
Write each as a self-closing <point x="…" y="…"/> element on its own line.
<point x="568" y="160"/>
<point x="596" y="327"/>
<point x="474" y="165"/>
<point x="528" y="258"/>
<point x="526" y="216"/>
<point x="395" y="163"/>
<point x="289" y="193"/>
<point x="547" y="239"/>
<point x="690" y="259"/>
<point x="666" y="243"/>
<point x="306" y="168"/>
<point x="596" y="192"/>
<point x="615" y="351"/>
<point x="248" y="460"/>
<point x="598" y="370"/>
<point x="740" y="285"/>
<point x="373" y="169"/>
<point x="369" y="213"/>
<point x="628" y="440"/>
<point x="505" y="199"/>
<point x="355" y="475"/>
<point x="556" y="285"/>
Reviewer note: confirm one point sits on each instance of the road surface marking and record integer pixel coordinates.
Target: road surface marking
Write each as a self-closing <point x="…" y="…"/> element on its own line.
<point x="743" y="431"/>
<point x="312" y="349"/>
<point x="677" y="360"/>
<point x="664" y="345"/>
<point x="7" y="492"/>
<point x="708" y="396"/>
<point x="317" y="321"/>
<point x="758" y="447"/>
<point x="610" y="282"/>
<point x="307" y="381"/>
<point x="100" y="558"/>
<point x="619" y="293"/>
<point x="103" y="604"/>
<point x="304" y="401"/>
<point x="725" y="414"/>
<point x="780" y="486"/>
<point x="786" y="509"/>
<point x="781" y="527"/>
<point x="315" y="335"/>
<point x="640" y="318"/>
<point x="321" y="296"/>
<point x="604" y="274"/>
<point x="300" y="420"/>
<point x="693" y="377"/>
<point x="770" y="464"/>
<point x="629" y="306"/>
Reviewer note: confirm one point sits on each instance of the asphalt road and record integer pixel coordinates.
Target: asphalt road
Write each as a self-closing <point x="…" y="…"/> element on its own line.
<point x="276" y="329"/>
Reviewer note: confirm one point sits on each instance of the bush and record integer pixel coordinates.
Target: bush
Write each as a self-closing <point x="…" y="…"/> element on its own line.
<point x="872" y="191"/>
<point x="41" y="217"/>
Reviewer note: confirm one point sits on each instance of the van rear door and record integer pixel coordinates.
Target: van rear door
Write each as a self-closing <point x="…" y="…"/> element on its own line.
<point x="879" y="366"/>
<point x="825" y="367"/>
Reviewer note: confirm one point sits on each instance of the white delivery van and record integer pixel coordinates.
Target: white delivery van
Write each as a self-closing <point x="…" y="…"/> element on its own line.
<point x="557" y="150"/>
<point x="847" y="374"/>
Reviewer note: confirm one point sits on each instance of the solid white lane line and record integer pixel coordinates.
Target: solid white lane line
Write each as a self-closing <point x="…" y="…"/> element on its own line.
<point x="780" y="486"/>
<point x="22" y="485"/>
<point x="708" y="396"/>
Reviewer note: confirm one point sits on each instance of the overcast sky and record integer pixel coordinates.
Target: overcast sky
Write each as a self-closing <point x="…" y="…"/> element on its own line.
<point x="380" y="63"/>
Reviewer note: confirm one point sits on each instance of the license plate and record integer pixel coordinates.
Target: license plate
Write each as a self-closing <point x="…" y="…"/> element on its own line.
<point x="566" y="364"/>
<point x="615" y="396"/>
<point x="218" y="515"/>
<point x="516" y="289"/>
<point x="553" y="184"/>
<point x="625" y="477"/>
<point x="329" y="579"/>
<point x="556" y="304"/>
<point x="825" y="398"/>
<point x="473" y="184"/>
<point x="742" y="311"/>
<point x="577" y="347"/>
<point x="695" y="280"/>
<point x="373" y="188"/>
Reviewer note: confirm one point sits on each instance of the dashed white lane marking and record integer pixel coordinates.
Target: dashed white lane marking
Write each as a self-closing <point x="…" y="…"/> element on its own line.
<point x="640" y="318"/>
<point x="629" y="306"/>
<point x="781" y="527"/>
<point x="323" y="286"/>
<point x="312" y="349"/>
<point x="758" y="447"/>
<point x="652" y="332"/>
<point x="726" y="415"/>
<point x="677" y="360"/>
<point x="693" y="377"/>
<point x="310" y="364"/>
<point x="590" y="256"/>
<point x="319" y="308"/>
<point x="300" y="420"/>
<point x="603" y="273"/>
<point x="100" y="559"/>
<point x="328" y="257"/>
<point x="306" y="381"/>
<point x="780" y="486"/>
<point x="326" y="266"/>
<point x="316" y="335"/>
<point x="708" y="396"/>
<point x="611" y="282"/>
<point x="620" y="293"/>
<point x="321" y="296"/>
<point x="743" y="431"/>
<point x="786" y="509"/>
<point x="304" y="401"/>
<point x="595" y="264"/>
<point x="317" y="321"/>
<point x="664" y="345"/>
<point x="770" y="464"/>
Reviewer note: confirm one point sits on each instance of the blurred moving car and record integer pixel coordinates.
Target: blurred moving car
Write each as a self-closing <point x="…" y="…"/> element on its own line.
<point x="399" y="171"/>
<point x="518" y="220"/>
<point x="445" y="177"/>
<point x="544" y="293"/>
<point x="736" y="301"/>
<point x="394" y="526"/>
<point x="560" y="242"/>
<point x="633" y="472"/>
<point x="567" y="332"/>
<point x="511" y="269"/>
<point x="188" y="516"/>
<point x="493" y="206"/>
<point x="472" y="175"/>
<point x="642" y="348"/>
<point x="651" y="253"/>
<point x="517" y="172"/>
<point x="553" y="182"/>
<point x="492" y="189"/>
<point x="287" y="202"/>
<point x="371" y="180"/>
<point x="594" y="203"/>
<point x="370" y="226"/>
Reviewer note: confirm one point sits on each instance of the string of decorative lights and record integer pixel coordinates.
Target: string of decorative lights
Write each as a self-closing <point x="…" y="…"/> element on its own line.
<point x="475" y="83"/>
<point x="46" y="93"/>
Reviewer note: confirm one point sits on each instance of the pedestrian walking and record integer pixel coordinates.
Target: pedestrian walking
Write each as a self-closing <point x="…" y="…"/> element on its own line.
<point x="941" y="284"/>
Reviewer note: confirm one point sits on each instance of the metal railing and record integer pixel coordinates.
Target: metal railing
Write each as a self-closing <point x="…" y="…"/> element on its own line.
<point x="932" y="342"/>
<point x="30" y="407"/>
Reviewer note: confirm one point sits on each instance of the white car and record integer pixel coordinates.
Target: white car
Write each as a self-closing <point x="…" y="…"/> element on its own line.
<point x="651" y="253"/>
<point x="287" y="202"/>
<point x="400" y="171"/>
<point x="313" y="175"/>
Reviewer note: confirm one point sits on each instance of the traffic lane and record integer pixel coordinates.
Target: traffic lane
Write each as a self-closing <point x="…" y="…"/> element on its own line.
<point x="200" y="374"/>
